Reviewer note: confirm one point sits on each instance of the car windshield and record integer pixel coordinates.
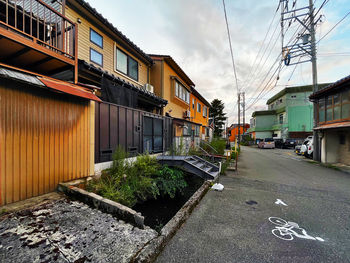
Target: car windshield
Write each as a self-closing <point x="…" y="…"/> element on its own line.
<point x="268" y="140"/>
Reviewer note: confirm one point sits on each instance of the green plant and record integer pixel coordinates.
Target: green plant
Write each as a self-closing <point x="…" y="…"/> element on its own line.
<point x="170" y="181"/>
<point x="130" y="183"/>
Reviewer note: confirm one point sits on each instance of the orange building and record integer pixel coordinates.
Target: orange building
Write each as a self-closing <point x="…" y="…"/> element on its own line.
<point x="199" y="113"/>
<point x="233" y="131"/>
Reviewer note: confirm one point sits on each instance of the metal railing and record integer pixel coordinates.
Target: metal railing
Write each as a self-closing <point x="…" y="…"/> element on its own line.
<point x="39" y="22"/>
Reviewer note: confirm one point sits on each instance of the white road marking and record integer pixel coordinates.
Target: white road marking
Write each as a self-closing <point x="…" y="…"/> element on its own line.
<point x="287" y="230"/>
<point x="280" y="202"/>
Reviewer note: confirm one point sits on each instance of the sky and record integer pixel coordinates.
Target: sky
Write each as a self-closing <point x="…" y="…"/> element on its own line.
<point x="194" y="33"/>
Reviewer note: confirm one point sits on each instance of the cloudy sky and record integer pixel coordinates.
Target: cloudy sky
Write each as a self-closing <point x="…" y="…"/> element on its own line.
<point x="194" y="33"/>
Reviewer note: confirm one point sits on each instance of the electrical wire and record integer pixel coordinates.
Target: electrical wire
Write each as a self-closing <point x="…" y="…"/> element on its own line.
<point x="341" y="20"/>
<point x="229" y="39"/>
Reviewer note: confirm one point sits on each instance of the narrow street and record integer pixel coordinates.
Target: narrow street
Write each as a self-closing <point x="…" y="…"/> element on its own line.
<point x="234" y="226"/>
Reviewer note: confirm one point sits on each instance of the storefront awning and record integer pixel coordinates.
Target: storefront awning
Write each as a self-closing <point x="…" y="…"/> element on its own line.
<point x="69" y="88"/>
<point x="345" y="124"/>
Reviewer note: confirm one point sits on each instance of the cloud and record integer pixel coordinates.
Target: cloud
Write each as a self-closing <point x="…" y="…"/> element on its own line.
<point x="194" y="33"/>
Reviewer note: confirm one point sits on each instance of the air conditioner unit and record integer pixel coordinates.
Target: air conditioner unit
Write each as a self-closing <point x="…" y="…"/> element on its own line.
<point x="187" y="114"/>
<point x="149" y="88"/>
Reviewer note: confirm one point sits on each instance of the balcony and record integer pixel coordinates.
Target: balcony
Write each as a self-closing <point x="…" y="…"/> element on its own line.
<point x="37" y="37"/>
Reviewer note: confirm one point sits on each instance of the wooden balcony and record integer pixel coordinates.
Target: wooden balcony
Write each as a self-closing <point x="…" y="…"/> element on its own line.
<point x="35" y="36"/>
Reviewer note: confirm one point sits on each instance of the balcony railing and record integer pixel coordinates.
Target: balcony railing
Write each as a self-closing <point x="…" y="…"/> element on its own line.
<point x="39" y="22"/>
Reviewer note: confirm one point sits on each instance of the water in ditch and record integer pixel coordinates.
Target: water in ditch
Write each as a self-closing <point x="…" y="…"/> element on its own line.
<point x="158" y="212"/>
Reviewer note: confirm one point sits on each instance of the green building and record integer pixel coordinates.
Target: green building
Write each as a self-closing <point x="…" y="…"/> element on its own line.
<point x="289" y="115"/>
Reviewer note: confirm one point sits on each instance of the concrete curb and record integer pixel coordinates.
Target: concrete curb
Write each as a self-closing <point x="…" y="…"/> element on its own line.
<point x="151" y="250"/>
<point x="108" y="206"/>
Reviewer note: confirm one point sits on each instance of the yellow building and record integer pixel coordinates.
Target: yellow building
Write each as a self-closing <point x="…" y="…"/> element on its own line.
<point x="172" y="83"/>
<point x="108" y="59"/>
<point x="200" y="113"/>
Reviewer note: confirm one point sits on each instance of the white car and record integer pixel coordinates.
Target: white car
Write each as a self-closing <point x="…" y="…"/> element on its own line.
<point x="307" y="147"/>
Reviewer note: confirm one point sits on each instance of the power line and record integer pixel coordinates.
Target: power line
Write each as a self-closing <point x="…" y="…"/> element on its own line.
<point x="262" y="43"/>
<point x="341" y="20"/>
<point x="229" y="39"/>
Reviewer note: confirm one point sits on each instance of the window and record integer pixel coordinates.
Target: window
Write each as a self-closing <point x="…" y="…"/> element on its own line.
<point x="329" y="109"/>
<point x="153" y="135"/>
<point x="133" y="70"/>
<point x="281" y="118"/>
<point x="127" y="65"/>
<point x="196" y="131"/>
<point x="334" y="107"/>
<point x="122" y="62"/>
<point x="193" y="106"/>
<point x="321" y="107"/>
<point x="198" y="107"/>
<point x="181" y="92"/>
<point x="96" y="57"/>
<point x="205" y="111"/>
<point x="345" y="110"/>
<point x="187" y="130"/>
<point x="96" y="38"/>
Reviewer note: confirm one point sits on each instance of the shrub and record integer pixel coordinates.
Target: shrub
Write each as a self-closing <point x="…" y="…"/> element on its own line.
<point x="170" y="181"/>
<point x="129" y="184"/>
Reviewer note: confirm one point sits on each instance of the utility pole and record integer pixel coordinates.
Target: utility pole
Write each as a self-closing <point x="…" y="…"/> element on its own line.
<point x="306" y="51"/>
<point x="243" y="105"/>
<point x="239" y="118"/>
<point x="316" y="140"/>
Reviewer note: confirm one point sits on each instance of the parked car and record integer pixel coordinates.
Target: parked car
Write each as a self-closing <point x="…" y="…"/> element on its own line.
<point x="267" y="143"/>
<point x="310" y="149"/>
<point x="289" y="143"/>
<point x="305" y="146"/>
<point x="279" y="143"/>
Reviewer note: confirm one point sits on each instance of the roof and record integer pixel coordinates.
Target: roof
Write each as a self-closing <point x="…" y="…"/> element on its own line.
<point x="306" y="88"/>
<point x="183" y="121"/>
<point x="172" y="63"/>
<point x="344" y="124"/>
<point x="47" y="82"/>
<point x="263" y="112"/>
<point x="109" y="25"/>
<point x="101" y="72"/>
<point x="331" y="87"/>
<point x="198" y="95"/>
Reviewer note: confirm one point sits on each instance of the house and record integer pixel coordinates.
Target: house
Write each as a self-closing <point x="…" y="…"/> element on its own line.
<point x="130" y="114"/>
<point x="199" y="113"/>
<point x="261" y="124"/>
<point x="292" y="115"/>
<point x="46" y="123"/>
<point x="333" y="121"/>
<point x="232" y="131"/>
<point x="172" y="84"/>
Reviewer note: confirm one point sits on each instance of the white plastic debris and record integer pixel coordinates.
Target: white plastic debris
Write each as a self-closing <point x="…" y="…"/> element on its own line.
<point x="280" y="202"/>
<point x="217" y="187"/>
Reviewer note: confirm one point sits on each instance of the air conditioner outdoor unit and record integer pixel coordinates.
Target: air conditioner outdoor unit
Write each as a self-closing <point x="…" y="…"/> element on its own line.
<point x="149" y="88"/>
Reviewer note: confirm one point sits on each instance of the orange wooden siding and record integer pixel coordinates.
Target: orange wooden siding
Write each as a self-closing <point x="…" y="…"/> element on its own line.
<point x="44" y="140"/>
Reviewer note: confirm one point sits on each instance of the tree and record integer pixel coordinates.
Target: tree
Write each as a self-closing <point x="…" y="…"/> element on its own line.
<point x="218" y="116"/>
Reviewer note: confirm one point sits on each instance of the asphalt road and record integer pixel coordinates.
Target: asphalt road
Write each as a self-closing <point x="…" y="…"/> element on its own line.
<point x="234" y="225"/>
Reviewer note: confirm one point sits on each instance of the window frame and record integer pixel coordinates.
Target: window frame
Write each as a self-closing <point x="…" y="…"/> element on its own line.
<point x="340" y="104"/>
<point x="92" y="30"/>
<point x="128" y="58"/>
<point x="199" y="107"/>
<point x="205" y="113"/>
<point x="182" y="93"/>
<point x="91" y="49"/>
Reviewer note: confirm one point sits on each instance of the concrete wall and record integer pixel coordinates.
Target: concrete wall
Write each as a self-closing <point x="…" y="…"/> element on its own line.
<point x="331" y="145"/>
<point x="263" y="135"/>
<point x="300" y="118"/>
<point x="344" y="149"/>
